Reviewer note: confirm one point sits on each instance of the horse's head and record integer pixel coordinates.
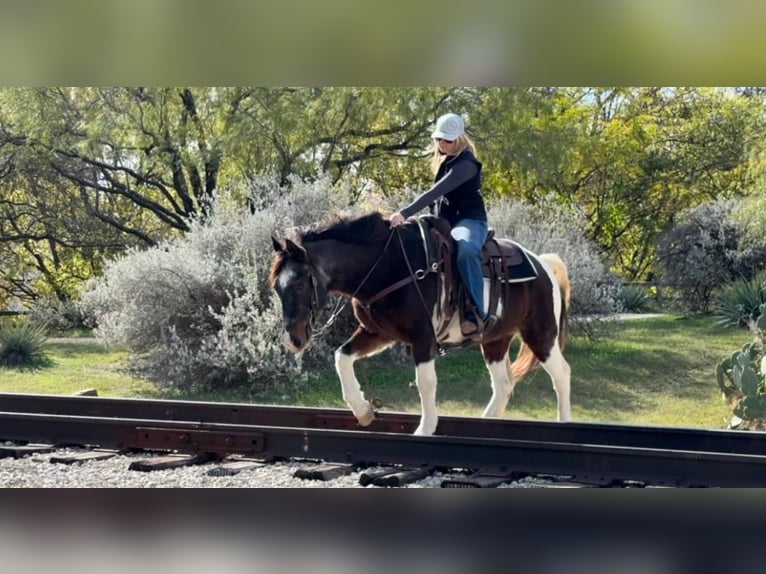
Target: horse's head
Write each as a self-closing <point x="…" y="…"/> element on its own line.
<point x="295" y="281"/>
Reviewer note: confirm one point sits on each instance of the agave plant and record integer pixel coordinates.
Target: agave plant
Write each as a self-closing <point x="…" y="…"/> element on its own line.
<point x="740" y="301"/>
<point x="22" y="345"/>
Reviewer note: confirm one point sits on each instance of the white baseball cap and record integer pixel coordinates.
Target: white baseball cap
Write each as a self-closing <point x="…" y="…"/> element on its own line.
<point x="449" y="127"/>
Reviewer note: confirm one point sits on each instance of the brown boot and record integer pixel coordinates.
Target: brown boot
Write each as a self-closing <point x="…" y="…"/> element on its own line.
<point x="469" y="328"/>
<point x="471" y="325"/>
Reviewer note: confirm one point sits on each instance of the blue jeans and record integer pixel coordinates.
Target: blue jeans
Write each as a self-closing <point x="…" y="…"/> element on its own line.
<point x="469" y="236"/>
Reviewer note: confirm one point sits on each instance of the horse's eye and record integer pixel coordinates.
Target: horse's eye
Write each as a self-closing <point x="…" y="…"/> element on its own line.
<point x="300" y="287"/>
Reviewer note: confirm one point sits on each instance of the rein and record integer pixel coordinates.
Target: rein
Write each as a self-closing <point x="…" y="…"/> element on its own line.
<point x="414" y="277"/>
<point x="341" y="304"/>
<point x="414" y="274"/>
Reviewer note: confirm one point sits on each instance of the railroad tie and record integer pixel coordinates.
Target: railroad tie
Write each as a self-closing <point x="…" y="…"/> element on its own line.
<point x="482" y="479"/>
<point x="234" y="467"/>
<point x="395" y="476"/>
<point x="22" y="450"/>
<point x="173" y="461"/>
<point x="325" y="472"/>
<point x="82" y="456"/>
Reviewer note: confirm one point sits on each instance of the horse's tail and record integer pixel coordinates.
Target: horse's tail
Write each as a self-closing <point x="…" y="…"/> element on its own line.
<point x="525" y="359"/>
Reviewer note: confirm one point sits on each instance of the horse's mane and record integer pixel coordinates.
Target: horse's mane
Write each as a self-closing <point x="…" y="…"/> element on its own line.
<point x="366" y="229"/>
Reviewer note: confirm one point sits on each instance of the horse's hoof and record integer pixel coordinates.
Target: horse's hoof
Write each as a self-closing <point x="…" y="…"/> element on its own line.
<point x="367" y="417"/>
<point x="422" y="432"/>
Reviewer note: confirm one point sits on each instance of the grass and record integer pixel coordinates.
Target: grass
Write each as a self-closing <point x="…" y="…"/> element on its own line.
<point x="77" y="364"/>
<point x="654" y="371"/>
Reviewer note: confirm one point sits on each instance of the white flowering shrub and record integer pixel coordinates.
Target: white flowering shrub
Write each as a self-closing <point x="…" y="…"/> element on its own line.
<point x="197" y="310"/>
<point x="551" y="228"/>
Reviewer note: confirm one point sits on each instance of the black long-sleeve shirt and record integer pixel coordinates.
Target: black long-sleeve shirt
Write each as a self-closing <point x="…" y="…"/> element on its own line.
<point x="459" y="179"/>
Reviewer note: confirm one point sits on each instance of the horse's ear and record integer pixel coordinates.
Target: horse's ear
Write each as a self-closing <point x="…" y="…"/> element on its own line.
<point x="278" y="246"/>
<point x="295" y="251"/>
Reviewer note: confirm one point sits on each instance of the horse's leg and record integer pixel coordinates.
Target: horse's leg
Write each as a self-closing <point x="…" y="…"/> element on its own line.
<point x="425" y="377"/>
<point x="361" y="344"/>
<point x="496" y="358"/>
<point x="558" y="369"/>
<point x="424" y="354"/>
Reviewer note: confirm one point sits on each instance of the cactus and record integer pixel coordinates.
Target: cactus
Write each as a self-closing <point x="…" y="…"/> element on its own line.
<point x="742" y="378"/>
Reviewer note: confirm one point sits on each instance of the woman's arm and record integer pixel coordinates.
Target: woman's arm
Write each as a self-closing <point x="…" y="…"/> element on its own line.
<point x="455" y="176"/>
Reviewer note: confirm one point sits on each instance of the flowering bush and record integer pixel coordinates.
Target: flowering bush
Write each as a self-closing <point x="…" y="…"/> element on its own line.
<point x="197" y="310"/>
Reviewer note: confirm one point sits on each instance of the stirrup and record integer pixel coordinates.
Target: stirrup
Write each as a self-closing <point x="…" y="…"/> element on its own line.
<point x="489" y="324"/>
<point x="485" y="328"/>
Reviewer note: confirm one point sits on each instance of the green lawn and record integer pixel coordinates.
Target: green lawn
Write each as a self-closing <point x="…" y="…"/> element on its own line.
<point x="649" y="371"/>
<point x="78" y="364"/>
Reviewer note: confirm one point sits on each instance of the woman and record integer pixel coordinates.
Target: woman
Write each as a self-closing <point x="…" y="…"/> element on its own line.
<point x="457" y="197"/>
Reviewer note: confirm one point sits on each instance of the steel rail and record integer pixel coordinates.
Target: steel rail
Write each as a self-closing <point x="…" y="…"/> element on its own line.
<point x="669" y="467"/>
<point x="659" y="437"/>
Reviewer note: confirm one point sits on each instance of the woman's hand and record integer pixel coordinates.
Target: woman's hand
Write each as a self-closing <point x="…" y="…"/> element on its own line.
<point x="396" y="220"/>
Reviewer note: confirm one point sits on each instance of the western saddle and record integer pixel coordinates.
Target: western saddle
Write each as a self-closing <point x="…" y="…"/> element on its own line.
<point x="502" y="263"/>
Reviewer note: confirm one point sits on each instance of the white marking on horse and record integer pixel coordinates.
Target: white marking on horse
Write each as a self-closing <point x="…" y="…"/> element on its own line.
<point x="560" y="372"/>
<point x="425" y="377"/>
<point x="557" y="302"/>
<point x="502" y="387"/>
<point x="352" y="392"/>
<point x="286" y="276"/>
<point x="556" y="365"/>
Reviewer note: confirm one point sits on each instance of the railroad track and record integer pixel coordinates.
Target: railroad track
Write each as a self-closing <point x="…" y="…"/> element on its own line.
<point x="602" y="454"/>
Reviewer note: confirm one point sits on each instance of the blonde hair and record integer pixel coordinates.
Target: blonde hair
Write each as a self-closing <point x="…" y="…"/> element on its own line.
<point x="463" y="142"/>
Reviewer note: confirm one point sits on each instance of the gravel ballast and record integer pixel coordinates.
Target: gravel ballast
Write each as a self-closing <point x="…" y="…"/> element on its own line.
<point x="37" y="471"/>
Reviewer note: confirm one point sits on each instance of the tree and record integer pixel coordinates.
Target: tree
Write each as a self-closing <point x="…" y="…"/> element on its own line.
<point x="132" y="166"/>
<point x="632" y="157"/>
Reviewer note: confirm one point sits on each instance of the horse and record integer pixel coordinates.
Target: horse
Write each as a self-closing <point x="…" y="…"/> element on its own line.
<point x="398" y="294"/>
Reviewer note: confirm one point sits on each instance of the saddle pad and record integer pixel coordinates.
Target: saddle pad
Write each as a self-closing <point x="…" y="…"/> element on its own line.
<point x="507" y="260"/>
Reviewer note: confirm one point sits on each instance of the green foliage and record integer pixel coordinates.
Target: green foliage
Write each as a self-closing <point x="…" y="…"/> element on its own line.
<point x="89" y="172"/>
<point x="703" y="250"/>
<point x="741" y="301"/>
<point x="742" y="377"/>
<point x="634" y="298"/>
<point x="22" y="344"/>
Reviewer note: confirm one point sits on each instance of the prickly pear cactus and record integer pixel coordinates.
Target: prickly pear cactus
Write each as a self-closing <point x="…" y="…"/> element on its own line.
<point x="742" y="378"/>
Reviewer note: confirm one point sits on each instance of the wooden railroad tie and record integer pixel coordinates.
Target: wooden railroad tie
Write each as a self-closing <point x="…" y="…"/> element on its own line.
<point x="325" y="471"/>
<point x="22" y="450"/>
<point x="82" y="456"/>
<point x="395" y="476"/>
<point x="172" y="461"/>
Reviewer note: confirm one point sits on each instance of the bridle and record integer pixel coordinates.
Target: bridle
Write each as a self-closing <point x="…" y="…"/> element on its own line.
<point x="414" y="277"/>
<point x="341" y="304"/>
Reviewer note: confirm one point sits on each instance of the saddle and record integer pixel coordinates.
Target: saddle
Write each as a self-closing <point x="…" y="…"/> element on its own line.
<point x="503" y="262"/>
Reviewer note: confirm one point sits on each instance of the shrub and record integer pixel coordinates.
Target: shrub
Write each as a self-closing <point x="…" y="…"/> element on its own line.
<point x="197" y="310"/>
<point x="56" y="315"/>
<point x="704" y="251"/>
<point x="549" y="227"/>
<point x="634" y="298"/>
<point x="739" y="302"/>
<point x="22" y="345"/>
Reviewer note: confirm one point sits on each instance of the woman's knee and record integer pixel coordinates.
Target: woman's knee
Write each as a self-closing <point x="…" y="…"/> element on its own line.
<point x="467" y="250"/>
